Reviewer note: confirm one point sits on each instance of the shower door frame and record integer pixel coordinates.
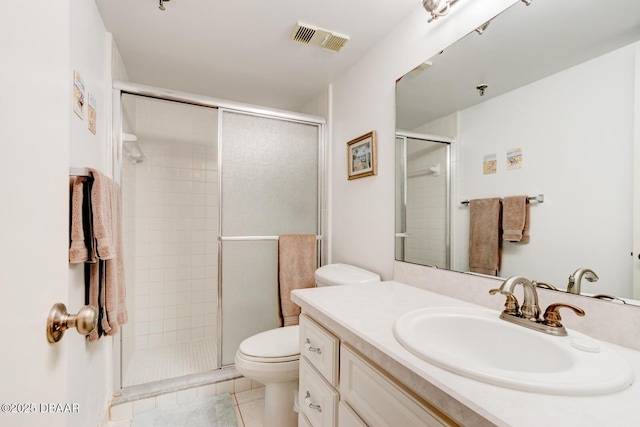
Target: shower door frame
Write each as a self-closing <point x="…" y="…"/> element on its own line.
<point x="115" y="157"/>
<point x="404" y="135"/>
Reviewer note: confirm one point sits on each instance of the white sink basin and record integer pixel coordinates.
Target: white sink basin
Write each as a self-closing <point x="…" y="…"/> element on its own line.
<point x="475" y="343"/>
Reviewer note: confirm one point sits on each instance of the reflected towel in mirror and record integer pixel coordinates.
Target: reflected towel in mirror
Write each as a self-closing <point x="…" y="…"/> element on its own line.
<point x="515" y="219"/>
<point x="484" y="236"/>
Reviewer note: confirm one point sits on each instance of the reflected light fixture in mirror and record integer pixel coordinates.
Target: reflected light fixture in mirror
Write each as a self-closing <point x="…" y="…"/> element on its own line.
<point x="437" y="8"/>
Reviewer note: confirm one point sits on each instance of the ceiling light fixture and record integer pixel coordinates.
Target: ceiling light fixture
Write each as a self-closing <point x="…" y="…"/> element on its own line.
<point x="437" y="8"/>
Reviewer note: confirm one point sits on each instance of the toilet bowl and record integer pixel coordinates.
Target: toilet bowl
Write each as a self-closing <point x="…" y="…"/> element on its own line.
<point x="273" y="357"/>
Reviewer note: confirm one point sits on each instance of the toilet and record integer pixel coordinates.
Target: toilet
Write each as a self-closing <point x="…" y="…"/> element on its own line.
<point x="272" y="357"/>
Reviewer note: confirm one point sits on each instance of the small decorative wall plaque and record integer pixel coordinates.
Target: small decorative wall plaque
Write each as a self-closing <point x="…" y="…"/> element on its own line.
<point x="490" y="164"/>
<point x="78" y="95"/>
<point x="361" y="156"/>
<point x="91" y="112"/>
<point x="514" y="159"/>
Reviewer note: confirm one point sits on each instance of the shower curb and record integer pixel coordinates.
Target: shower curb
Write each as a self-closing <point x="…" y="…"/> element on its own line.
<point x="157" y="388"/>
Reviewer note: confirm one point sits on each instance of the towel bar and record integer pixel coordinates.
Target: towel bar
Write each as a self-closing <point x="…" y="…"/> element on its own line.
<point x="539" y="198"/>
<point x="252" y="238"/>
<point x="78" y="172"/>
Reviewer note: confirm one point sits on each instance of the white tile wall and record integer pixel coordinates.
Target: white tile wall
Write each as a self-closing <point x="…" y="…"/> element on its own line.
<point x="426" y="207"/>
<point x="176" y="224"/>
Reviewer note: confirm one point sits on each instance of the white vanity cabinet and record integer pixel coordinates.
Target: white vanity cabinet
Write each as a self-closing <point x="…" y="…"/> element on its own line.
<point x="339" y="387"/>
<point x="317" y="393"/>
<point x="378" y="399"/>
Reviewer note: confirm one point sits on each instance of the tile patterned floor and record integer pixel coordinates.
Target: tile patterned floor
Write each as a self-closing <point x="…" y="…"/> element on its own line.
<point x="249" y="409"/>
<point x="171" y="361"/>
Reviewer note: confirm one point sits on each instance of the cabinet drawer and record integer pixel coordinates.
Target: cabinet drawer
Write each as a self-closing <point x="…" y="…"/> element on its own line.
<point x="317" y="399"/>
<point x="320" y="348"/>
<point x="303" y="421"/>
<point x="378" y="400"/>
<point x="347" y="416"/>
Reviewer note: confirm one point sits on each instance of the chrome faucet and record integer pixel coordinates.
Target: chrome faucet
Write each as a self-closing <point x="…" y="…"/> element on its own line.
<point x="529" y="314"/>
<point x="576" y="278"/>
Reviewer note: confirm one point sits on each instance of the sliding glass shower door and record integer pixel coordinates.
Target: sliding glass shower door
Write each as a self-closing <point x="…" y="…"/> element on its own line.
<point x="207" y="187"/>
<point x="269" y="185"/>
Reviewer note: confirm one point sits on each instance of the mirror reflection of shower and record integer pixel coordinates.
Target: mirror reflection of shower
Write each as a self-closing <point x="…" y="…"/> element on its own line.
<point x="422" y="198"/>
<point x="132" y="148"/>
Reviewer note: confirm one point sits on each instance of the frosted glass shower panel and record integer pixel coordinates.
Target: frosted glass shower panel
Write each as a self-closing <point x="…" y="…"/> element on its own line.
<point x="269" y="176"/>
<point x="250" y="292"/>
<point x="269" y="186"/>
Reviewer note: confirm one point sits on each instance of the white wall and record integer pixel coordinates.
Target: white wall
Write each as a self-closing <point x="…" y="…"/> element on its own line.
<point x="91" y="364"/>
<point x="362" y="210"/>
<point x="573" y="127"/>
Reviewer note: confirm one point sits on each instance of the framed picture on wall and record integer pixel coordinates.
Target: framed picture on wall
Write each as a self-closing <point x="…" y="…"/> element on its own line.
<point x="361" y="156"/>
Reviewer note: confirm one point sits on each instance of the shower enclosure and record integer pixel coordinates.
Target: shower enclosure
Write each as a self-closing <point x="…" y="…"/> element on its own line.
<point x="207" y="187"/>
<point x="422" y="199"/>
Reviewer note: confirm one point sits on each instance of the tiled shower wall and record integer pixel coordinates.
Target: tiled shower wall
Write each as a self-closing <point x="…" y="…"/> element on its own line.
<point x="176" y="222"/>
<point x="427" y="209"/>
<point x="426" y="205"/>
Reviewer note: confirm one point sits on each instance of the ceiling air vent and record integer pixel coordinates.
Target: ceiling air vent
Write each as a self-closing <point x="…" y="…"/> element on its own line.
<point x="308" y="34"/>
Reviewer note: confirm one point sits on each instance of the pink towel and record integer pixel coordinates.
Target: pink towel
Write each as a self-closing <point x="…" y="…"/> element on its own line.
<point x="115" y="289"/>
<point x="484" y="236"/>
<point x="106" y="284"/>
<point x="78" y="251"/>
<point x="101" y="193"/>
<point x="296" y="267"/>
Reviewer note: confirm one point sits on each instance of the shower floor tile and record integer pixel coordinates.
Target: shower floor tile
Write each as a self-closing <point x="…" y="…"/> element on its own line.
<point x="171" y="361"/>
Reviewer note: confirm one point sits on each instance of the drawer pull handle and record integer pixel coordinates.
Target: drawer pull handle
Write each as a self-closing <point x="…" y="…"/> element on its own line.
<point x="309" y="403"/>
<point x="307" y="345"/>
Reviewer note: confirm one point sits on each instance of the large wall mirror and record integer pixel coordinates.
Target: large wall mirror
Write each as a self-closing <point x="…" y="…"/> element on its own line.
<point x="556" y="83"/>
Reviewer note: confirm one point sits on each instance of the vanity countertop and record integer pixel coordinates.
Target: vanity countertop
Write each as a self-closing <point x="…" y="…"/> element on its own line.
<point x="363" y="315"/>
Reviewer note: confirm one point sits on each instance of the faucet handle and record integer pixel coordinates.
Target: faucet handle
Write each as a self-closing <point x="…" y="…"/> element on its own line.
<point x="511" y="305"/>
<point x="552" y="314"/>
<point x="544" y="285"/>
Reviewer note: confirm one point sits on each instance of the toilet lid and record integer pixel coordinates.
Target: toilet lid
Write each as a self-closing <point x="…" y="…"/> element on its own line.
<point x="274" y="343"/>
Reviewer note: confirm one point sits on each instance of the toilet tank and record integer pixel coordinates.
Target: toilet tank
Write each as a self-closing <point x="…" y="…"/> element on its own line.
<point x="343" y="274"/>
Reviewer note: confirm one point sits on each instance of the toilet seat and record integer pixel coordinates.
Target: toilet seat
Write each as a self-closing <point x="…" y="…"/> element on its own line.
<point x="272" y="346"/>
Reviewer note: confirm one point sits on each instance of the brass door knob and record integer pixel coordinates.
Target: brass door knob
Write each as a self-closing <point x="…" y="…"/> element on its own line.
<point x="60" y="320"/>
